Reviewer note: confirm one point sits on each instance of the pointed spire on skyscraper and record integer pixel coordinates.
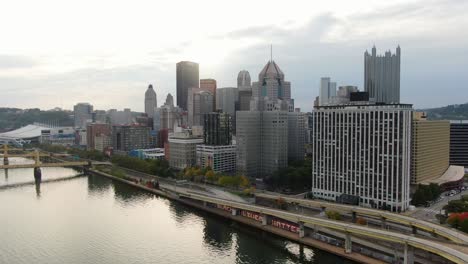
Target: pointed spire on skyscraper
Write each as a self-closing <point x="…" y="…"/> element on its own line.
<point x="271" y="52"/>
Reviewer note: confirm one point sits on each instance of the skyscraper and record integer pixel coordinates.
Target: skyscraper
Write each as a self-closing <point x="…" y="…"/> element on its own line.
<point x="217" y="129"/>
<point x="187" y="77"/>
<point x="245" y="90"/>
<point x="209" y="85"/>
<point x="327" y="91"/>
<point x="382" y="76"/>
<point x="199" y="103"/>
<point x="151" y="102"/>
<point x="363" y="151"/>
<point x="227" y="100"/>
<point x="83" y="113"/>
<point x="270" y="88"/>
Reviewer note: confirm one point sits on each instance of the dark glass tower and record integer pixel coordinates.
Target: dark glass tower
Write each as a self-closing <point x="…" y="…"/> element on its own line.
<point x="187" y="77"/>
<point x="217" y="129"/>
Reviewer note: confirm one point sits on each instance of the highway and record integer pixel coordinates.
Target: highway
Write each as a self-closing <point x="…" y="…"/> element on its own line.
<point x="442" y="231"/>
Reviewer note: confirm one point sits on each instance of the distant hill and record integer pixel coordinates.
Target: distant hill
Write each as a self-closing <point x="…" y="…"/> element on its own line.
<point x="12" y="118"/>
<point x="450" y="112"/>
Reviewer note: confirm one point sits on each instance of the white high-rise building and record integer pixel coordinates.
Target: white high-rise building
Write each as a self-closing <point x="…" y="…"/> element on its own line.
<point x="363" y="151"/>
<point x="327" y="91"/>
<point x="151" y="102"/>
<point x="382" y="76"/>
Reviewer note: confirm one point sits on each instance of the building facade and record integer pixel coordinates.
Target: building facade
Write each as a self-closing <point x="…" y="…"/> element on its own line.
<point x="95" y="129"/>
<point x="430" y="149"/>
<point x="126" y="138"/>
<point x="182" y="149"/>
<point x="209" y="85"/>
<point x="221" y="158"/>
<point x="262" y="141"/>
<point x="363" y="151"/>
<point x="227" y="100"/>
<point x="151" y="102"/>
<point x="296" y="135"/>
<point x="200" y="102"/>
<point x="382" y="76"/>
<point x="83" y="114"/>
<point x="327" y="91"/>
<point x="187" y="77"/>
<point x="244" y="87"/>
<point x="217" y="129"/>
<point x="459" y="143"/>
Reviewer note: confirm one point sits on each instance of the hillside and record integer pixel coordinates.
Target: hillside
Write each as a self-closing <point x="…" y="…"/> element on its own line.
<point x="12" y="118"/>
<point x="450" y="112"/>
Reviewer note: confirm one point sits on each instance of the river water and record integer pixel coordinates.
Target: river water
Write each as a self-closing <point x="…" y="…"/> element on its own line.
<point x="92" y="219"/>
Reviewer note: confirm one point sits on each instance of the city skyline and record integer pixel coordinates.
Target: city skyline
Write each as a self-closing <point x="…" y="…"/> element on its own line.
<point x="326" y="41"/>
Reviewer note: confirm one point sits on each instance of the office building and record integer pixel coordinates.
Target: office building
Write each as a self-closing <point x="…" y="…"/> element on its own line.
<point x="169" y="116"/>
<point x="187" y="78"/>
<point x="96" y="129"/>
<point x="120" y="117"/>
<point x="182" y="149"/>
<point x="102" y="142"/>
<point x="270" y="89"/>
<point x="127" y="137"/>
<point x="459" y="143"/>
<point x="227" y="100"/>
<point x="83" y="114"/>
<point x="199" y="103"/>
<point x="262" y="142"/>
<point x="221" y="158"/>
<point x="327" y="91"/>
<point x="217" y="129"/>
<point x="430" y="148"/>
<point x="244" y="87"/>
<point x="382" y="76"/>
<point x="296" y="135"/>
<point x="209" y="85"/>
<point x="151" y="102"/>
<point x="100" y="116"/>
<point x="153" y="153"/>
<point x="363" y="151"/>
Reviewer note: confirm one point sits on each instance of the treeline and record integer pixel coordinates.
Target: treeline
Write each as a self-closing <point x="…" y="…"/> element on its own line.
<point x="155" y="167"/>
<point x="297" y="176"/>
<point x="197" y="174"/>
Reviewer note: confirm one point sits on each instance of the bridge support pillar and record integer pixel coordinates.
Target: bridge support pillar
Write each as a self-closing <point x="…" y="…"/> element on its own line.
<point x="348" y="243"/>
<point x="315" y="231"/>
<point x="301" y="230"/>
<point x="384" y="222"/>
<point x="205" y="203"/>
<point x="408" y="257"/>
<point x="234" y="211"/>
<point x="5" y="161"/>
<point x="414" y="230"/>
<point x="265" y="219"/>
<point x="353" y="217"/>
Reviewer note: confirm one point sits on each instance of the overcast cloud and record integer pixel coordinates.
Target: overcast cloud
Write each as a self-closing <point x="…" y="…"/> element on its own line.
<point x="111" y="62"/>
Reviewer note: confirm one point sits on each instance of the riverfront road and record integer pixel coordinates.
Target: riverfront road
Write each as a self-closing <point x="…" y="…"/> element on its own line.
<point x="457" y="255"/>
<point x="447" y="233"/>
<point x="429" y="213"/>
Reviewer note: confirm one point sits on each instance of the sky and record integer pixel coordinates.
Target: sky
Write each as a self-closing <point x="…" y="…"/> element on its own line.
<point x="106" y="52"/>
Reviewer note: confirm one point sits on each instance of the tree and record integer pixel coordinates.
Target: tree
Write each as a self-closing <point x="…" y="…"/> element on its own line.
<point x="464" y="225"/>
<point x="210" y="176"/>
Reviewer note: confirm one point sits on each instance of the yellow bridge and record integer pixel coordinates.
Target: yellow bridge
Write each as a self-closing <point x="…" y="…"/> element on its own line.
<point x="41" y="159"/>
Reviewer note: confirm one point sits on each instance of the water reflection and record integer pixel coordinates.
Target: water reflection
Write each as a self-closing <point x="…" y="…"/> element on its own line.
<point x="98" y="185"/>
<point x="217" y="234"/>
<point x="38" y="189"/>
<point x="127" y="194"/>
<point x="181" y="212"/>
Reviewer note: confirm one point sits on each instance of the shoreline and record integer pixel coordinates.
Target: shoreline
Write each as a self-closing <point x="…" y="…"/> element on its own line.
<point x="308" y="241"/>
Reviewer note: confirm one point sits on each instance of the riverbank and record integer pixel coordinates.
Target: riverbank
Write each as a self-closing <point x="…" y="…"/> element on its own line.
<point x="171" y="194"/>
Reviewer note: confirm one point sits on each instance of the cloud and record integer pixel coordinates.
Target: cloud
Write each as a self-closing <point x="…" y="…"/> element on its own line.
<point x="16" y="61"/>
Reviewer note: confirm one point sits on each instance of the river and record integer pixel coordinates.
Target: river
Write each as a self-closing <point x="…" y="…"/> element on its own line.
<point x="92" y="219"/>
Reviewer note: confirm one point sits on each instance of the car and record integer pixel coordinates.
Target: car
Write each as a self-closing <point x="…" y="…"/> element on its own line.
<point x="451" y="194"/>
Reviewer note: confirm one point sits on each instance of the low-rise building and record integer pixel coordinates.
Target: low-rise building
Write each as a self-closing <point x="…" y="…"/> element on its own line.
<point x="221" y="158"/>
<point x="182" y="148"/>
<point x="153" y="153"/>
<point x="127" y="137"/>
